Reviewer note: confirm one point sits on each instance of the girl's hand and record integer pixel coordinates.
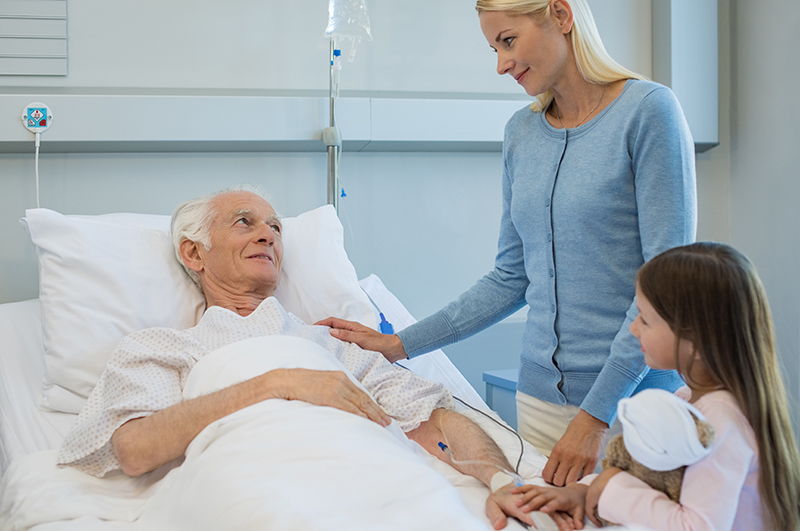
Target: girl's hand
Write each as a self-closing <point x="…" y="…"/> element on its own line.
<point x="569" y="500"/>
<point x="594" y="492"/>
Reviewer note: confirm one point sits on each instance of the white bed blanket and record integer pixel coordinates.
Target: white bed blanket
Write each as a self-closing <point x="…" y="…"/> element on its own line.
<point x="274" y="465"/>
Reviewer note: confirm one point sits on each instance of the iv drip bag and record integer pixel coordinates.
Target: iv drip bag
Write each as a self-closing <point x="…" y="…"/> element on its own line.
<point x="348" y="24"/>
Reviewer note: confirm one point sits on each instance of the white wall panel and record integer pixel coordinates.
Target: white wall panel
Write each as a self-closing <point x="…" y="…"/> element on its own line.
<point x="33" y="37"/>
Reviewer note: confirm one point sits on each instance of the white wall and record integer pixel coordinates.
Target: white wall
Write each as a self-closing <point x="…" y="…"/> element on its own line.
<point x="765" y="168"/>
<point x="279" y="45"/>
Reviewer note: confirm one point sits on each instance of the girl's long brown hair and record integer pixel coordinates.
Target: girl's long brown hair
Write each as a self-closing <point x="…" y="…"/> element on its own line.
<point x="710" y="294"/>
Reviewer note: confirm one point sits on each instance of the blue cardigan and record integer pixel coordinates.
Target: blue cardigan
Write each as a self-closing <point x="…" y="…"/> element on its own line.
<point x="583" y="209"/>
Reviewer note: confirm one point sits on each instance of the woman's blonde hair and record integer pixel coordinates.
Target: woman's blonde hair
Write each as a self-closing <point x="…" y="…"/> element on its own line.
<point x="593" y="61"/>
<point x="710" y="294"/>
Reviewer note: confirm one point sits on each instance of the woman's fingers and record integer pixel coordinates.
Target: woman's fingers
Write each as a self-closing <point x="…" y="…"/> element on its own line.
<point x="365" y="337"/>
<point x="335" y="322"/>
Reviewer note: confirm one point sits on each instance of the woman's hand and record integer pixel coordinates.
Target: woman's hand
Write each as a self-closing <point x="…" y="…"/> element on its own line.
<point x="576" y="453"/>
<point x="365" y="337"/>
<point x="565" y="504"/>
<point x="594" y="492"/>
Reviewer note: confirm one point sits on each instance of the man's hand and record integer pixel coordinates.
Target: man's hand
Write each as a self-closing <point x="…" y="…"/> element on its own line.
<point x="146" y="443"/>
<point x="327" y="388"/>
<point x="365" y="337"/>
<point x="594" y="492"/>
<point x="576" y="453"/>
<point x="503" y="503"/>
<point x="564" y="504"/>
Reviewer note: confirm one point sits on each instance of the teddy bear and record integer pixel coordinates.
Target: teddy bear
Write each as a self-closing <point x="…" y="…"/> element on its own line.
<point x="665" y="433"/>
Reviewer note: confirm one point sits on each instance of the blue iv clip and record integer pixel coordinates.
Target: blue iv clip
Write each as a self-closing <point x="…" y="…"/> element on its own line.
<point x="386" y="327"/>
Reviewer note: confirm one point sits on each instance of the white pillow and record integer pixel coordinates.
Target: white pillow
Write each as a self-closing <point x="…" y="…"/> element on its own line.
<point x="103" y="277"/>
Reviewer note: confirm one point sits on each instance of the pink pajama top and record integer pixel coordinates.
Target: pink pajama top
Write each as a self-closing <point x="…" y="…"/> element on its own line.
<point x="719" y="492"/>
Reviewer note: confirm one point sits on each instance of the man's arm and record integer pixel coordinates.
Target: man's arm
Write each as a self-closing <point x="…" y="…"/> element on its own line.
<point x="145" y="443"/>
<point x="468" y="442"/>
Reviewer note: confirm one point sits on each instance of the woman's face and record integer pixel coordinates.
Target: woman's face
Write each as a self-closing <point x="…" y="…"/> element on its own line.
<point x="534" y="50"/>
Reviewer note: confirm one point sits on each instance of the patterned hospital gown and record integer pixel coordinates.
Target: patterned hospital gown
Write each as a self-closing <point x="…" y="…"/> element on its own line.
<point x="148" y="370"/>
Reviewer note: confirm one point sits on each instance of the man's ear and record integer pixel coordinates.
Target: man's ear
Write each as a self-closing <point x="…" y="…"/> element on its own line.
<point x="561" y="12"/>
<point x="190" y="254"/>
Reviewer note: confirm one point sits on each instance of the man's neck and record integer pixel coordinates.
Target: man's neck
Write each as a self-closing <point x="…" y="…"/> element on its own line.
<point x="242" y="303"/>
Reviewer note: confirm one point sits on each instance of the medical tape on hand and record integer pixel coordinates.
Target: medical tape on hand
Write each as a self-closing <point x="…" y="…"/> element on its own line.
<point x="499" y="480"/>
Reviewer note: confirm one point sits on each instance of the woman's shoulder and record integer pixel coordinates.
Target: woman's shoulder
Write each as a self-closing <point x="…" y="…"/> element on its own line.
<point x="524" y="115"/>
<point x="642" y="88"/>
<point x="649" y="97"/>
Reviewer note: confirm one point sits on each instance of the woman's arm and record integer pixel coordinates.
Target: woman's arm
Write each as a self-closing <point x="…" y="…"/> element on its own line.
<point x="496" y="295"/>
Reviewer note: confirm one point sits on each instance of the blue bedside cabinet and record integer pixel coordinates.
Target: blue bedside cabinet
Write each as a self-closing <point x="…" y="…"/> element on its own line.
<point x="501" y="389"/>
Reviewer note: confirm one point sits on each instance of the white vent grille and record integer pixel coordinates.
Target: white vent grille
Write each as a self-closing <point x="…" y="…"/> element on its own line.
<point x="33" y="37"/>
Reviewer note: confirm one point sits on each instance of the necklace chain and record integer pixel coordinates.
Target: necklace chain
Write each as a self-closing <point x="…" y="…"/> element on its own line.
<point x="558" y="111"/>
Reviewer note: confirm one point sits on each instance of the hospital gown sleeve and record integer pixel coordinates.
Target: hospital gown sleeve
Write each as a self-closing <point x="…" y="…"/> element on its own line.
<point x="404" y="396"/>
<point x="142" y="376"/>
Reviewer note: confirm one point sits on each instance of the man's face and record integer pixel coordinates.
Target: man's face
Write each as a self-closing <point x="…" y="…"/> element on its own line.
<point x="246" y="246"/>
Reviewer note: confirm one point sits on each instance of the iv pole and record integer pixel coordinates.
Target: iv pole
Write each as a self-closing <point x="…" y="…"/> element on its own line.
<point x="331" y="135"/>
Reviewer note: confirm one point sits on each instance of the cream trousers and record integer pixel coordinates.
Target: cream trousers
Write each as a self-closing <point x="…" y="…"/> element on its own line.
<point x="542" y="423"/>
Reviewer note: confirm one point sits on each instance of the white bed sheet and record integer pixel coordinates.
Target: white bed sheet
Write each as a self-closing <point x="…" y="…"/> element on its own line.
<point x="24" y="426"/>
<point x="28" y="430"/>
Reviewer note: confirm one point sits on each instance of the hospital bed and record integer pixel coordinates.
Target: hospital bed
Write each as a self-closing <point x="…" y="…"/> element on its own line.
<point x="34" y="493"/>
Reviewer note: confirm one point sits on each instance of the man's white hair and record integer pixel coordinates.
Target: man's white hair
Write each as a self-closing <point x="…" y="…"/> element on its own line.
<point x="193" y="219"/>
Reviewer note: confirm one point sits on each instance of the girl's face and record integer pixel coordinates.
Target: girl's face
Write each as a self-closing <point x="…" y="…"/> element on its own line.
<point x="657" y="338"/>
<point x="533" y="50"/>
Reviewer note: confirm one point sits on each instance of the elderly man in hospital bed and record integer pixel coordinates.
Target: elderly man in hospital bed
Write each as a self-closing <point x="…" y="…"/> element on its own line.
<point x="163" y="388"/>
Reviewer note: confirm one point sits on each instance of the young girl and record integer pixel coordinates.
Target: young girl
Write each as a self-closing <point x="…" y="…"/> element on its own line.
<point x="703" y="311"/>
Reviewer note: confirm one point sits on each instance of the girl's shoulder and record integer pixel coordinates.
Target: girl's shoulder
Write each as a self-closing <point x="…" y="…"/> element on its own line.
<point x="720" y="409"/>
<point x="726" y="417"/>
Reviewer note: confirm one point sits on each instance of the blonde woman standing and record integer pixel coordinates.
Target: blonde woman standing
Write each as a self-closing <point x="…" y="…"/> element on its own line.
<point x="599" y="177"/>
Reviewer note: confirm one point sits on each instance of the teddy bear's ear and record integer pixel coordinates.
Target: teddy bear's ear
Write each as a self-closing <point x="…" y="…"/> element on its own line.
<point x="616" y="453"/>
<point x="705" y="432"/>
